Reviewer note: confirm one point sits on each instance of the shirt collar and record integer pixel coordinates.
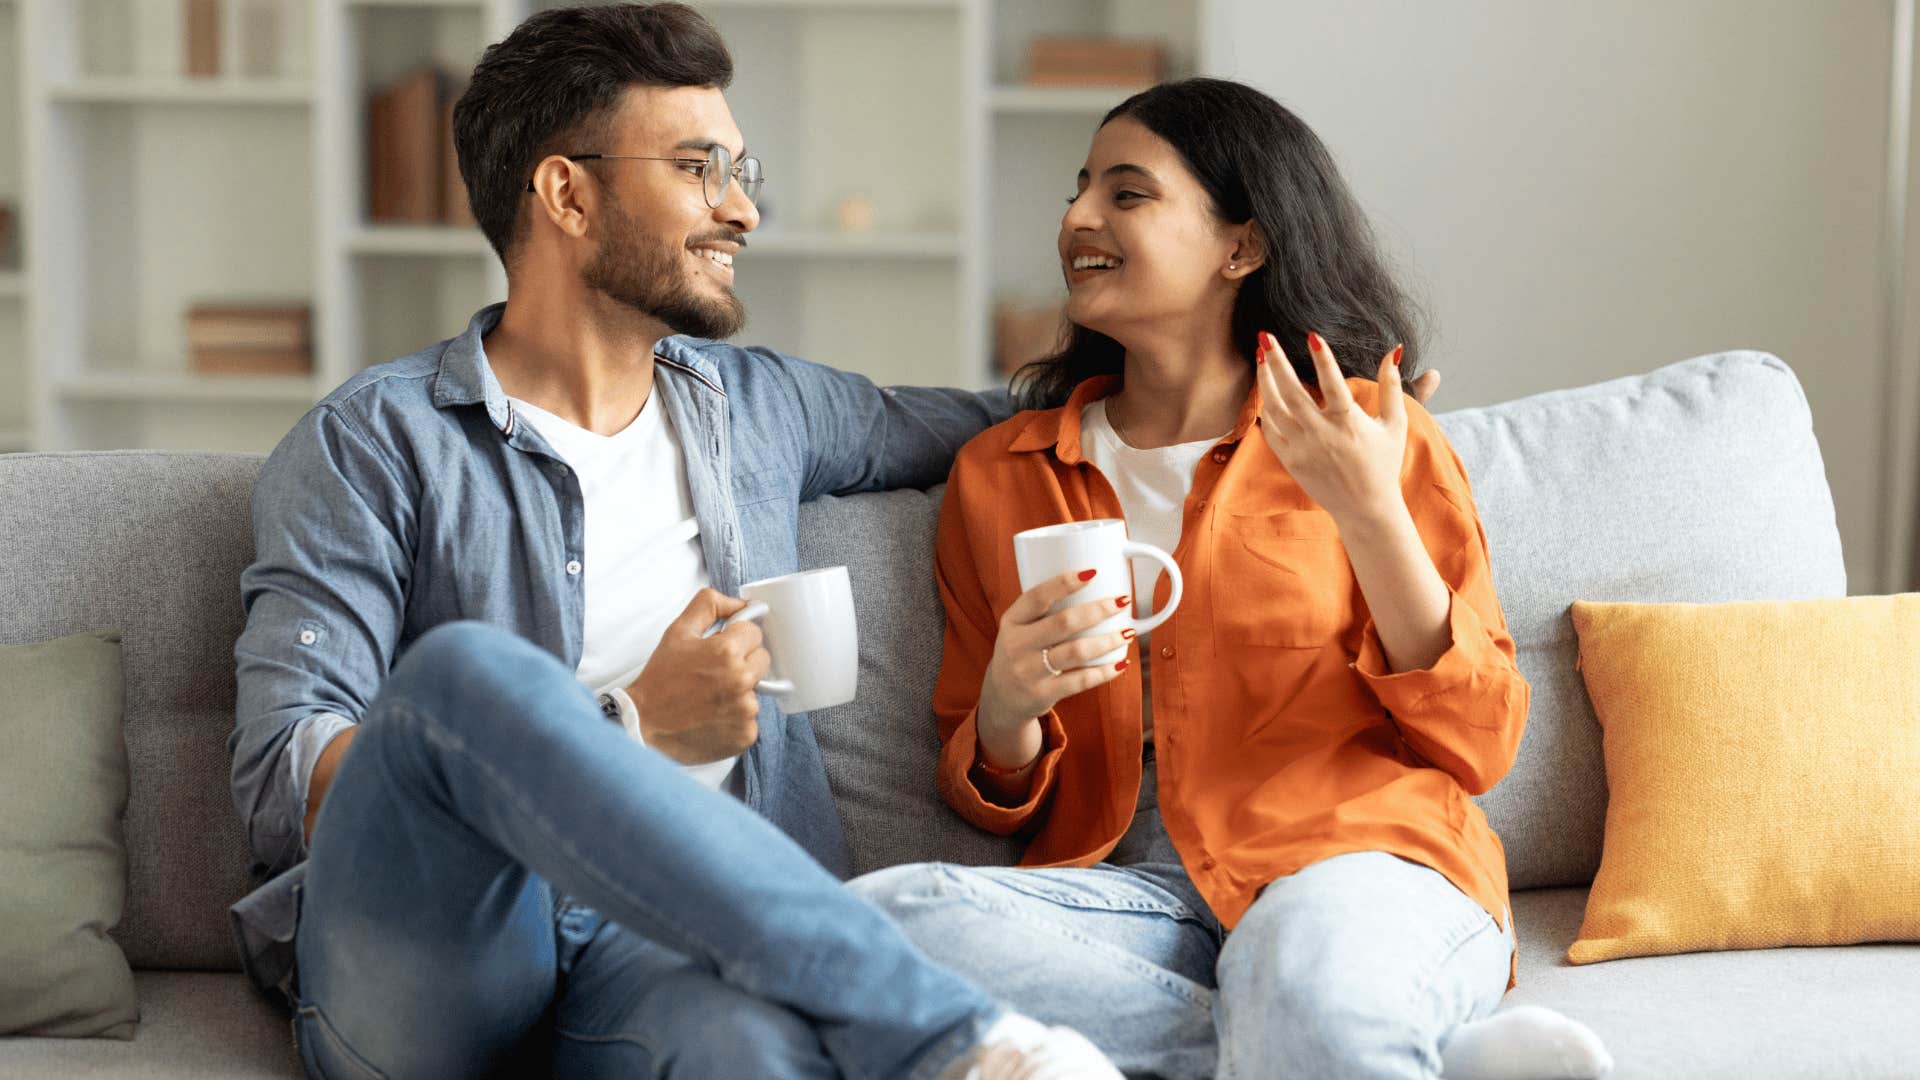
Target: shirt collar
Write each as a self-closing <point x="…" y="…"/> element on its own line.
<point x="1059" y="429"/>
<point x="465" y="377"/>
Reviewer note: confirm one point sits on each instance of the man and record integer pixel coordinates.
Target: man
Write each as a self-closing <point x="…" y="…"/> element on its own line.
<point x="453" y="546"/>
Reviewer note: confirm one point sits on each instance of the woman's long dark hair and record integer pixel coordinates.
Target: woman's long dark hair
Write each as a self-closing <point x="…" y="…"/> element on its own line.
<point x="1323" y="272"/>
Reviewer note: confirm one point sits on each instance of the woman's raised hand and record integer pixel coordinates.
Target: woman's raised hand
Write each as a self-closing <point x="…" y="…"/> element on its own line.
<point x="1037" y="663"/>
<point x="1345" y="460"/>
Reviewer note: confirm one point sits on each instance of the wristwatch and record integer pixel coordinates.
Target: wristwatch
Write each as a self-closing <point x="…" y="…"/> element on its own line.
<point x="618" y="708"/>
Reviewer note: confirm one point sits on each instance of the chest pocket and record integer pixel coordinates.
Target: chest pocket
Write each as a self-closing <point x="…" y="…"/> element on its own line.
<point x="1282" y="578"/>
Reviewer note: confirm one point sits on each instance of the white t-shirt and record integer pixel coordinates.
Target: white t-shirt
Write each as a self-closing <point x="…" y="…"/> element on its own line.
<point x="1152" y="486"/>
<point x="643" y="561"/>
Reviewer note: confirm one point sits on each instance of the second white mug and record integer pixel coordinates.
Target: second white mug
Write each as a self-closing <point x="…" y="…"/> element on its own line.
<point x="809" y="629"/>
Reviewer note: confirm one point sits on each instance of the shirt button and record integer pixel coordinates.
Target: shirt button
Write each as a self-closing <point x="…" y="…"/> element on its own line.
<point x="1206" y="864"/>
<point x="573" y="567"/>
<point x="1220" y="457"/>
<point x="308" y="637"/>
<point x="1166" y="652"/>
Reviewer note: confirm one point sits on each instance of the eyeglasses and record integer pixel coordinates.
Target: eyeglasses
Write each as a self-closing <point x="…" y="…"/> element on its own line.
<point x="716" y="172"/>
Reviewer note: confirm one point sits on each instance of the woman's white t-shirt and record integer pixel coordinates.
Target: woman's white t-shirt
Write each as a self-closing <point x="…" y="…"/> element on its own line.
<point x="1152" y="486"/>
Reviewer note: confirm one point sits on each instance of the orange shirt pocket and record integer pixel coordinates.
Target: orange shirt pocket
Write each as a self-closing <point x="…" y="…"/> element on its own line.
<point x="1282" y="578"/>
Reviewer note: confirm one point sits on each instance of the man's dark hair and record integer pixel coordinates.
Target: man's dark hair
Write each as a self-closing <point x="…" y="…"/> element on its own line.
<point x="552" y="88"/>
<point x="1324" y="269"/>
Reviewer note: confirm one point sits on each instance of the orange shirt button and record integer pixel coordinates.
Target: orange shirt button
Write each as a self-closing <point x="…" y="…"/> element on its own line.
<point x="1206" y="864"/>
<point x="1166" y="652"/>
<point x="1220" y="457"/>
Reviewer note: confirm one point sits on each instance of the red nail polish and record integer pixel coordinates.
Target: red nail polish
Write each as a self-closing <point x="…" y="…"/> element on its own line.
<point x="1316" y="342"/>
<point x="1397" y="350"/>
<point x="1087" y="575"/>
<point x="1128" y="633"/>
<point x="1122" y="665"/>
<point x="1121" y="602"/>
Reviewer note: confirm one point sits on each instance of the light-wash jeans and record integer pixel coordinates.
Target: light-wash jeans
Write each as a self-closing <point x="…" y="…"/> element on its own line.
<point x="1354" y="967"/>
<point x="482" y="790"/>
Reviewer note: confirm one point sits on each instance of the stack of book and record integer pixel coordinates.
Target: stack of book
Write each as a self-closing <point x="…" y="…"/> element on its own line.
<point x="203" y="38"/>
<point x="250" y="339"/>
<point x="412" y="175"/>
<point x="1086" y="61"/>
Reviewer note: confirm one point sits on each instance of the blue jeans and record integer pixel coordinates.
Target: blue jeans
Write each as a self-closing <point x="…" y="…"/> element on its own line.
<point x="1357" y="966"/>
<point x="502" y="883"/>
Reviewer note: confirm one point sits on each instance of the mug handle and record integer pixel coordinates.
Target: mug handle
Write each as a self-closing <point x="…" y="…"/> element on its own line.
<point x="755" y="610"/>
<point x="1132" y="548"/>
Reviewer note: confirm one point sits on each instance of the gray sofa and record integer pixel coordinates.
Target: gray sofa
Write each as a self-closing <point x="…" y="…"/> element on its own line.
<point x="1699" y="482"/>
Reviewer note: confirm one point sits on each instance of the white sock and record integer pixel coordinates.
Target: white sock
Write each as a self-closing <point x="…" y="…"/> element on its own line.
<point x="1526" y="1042"/>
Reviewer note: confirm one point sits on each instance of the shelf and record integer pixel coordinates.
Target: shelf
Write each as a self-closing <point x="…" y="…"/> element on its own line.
<point x="431" y="240"/>
<point x="1060" y="100"/>
<point x="117" y="91"/>
<point x="873" y="245"/>
<point x="13" y="284"/>
<point x="267" y="389"/>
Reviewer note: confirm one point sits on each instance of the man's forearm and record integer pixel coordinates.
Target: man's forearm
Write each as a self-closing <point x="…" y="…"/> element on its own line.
<point x="322" y="777"/>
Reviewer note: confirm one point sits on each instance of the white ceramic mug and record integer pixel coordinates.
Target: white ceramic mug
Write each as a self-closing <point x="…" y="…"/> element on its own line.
<point x="1102" y="546"/>
<point x="808" y="627"/>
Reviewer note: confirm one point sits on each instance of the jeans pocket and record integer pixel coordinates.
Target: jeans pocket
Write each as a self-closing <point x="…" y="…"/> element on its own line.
<point x="324" y="1053"/>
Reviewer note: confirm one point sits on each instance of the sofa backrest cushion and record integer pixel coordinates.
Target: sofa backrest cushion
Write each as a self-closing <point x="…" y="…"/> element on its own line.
<point x="1698" y="482"/>
<point x="152" y="545"/>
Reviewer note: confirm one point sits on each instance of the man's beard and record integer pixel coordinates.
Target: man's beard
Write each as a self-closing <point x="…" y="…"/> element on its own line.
<point x="632" y="268"/>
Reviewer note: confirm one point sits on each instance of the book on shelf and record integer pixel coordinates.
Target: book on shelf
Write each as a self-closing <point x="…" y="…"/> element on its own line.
<point x="404" y="129"/>
<point x="413" y="174"/>
<point x="203" y="38"/>
<point x="252" y="361"/>
<point x="249" y="326"/>
<point x="1095" y="61"/>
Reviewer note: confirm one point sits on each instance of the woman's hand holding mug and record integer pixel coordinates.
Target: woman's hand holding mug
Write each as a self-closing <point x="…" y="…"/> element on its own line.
<point x="1038" y="661"/>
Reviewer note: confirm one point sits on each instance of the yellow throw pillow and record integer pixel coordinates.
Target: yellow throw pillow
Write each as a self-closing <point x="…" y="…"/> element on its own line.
<point x="1763" y="771"/>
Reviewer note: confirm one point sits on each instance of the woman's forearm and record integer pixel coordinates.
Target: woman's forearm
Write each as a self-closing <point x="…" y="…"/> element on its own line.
<point x="1404" y="591"/>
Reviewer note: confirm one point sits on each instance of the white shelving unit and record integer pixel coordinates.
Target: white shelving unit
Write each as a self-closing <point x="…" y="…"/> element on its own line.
<point x="143" y="191"/>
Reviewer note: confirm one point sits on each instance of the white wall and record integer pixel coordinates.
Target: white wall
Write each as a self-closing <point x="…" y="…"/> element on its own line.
<point x="1583" y="191"/>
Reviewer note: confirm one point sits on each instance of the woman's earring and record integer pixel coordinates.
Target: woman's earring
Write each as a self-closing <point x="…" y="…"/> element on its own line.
<point x="1233" y="266"/>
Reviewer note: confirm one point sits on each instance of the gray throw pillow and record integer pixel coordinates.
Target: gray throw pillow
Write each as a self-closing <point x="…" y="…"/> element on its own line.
<point x="63" y="859"/>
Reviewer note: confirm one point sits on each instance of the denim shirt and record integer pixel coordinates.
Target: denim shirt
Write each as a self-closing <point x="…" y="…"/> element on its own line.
<point x="413" y="496"/>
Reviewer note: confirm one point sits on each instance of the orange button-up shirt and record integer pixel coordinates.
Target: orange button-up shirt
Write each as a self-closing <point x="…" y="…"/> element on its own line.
<point x="1280" y="734"/>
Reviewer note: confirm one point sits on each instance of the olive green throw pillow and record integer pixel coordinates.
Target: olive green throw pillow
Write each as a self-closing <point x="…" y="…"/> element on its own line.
<point x="63" y="861"/>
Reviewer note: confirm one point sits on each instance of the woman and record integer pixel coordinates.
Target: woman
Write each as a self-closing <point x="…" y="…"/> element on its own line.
<point x="1260" y="837"/>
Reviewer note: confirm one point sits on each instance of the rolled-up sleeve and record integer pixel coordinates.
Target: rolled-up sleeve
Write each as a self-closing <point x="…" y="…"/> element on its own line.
<point x="971" y="628"/>
<point x="324" y="601"/>
<point x="1466" y="712"/>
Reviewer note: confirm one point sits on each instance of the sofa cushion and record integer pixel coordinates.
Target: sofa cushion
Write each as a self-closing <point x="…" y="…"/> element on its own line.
<point x="1729" y="727"/>
<point x="1830" y="1012"/>
<point x="881" y="749"/>
<point x="63" y="787"/>
<point x="1700" y="482"/>
<point x="193" y="1025"/>
<point x="153" y="544"/>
